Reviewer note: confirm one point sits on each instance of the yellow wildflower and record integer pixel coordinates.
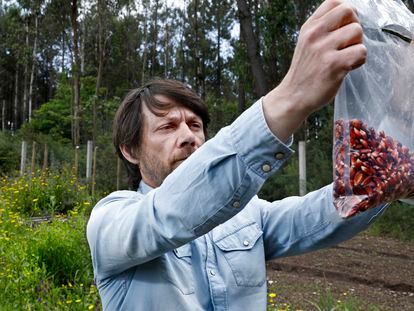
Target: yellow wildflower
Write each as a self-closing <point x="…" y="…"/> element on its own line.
<point x="272" y="295"/>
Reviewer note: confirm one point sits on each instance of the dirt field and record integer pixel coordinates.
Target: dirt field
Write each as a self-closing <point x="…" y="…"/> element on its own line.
<point x="374" y="270"/>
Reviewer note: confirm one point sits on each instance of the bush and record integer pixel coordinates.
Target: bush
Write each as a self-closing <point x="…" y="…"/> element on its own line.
<point x="43" y="193"/>
<point x="61" y="249"/>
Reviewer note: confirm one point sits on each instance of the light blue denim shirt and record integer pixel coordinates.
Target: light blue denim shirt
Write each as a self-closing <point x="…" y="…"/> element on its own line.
<point x="200" y="240"/>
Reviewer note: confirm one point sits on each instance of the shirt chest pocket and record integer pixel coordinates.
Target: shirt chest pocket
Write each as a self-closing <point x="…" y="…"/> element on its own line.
<point x="243" y="250"/>
<point x="178" y="269"/>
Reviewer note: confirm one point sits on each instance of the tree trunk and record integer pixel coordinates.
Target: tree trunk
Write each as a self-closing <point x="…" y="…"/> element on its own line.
<point x="128" y="44"/>
<point x="33" y="66"/>
<point x="26" y="70"/>
<point x="154" y="41"/>
<point x="197" y="69"/>
<point x="252" y="43"/>
<point x="3" y="115"/>
<point x="218" y="72"/>
<point x="183" y="58"/>
<point x="241" y="106"/>
<point x="82" y="46"/>
<point x="16" y="99"/>
<point x="101" y="55"/>
<point x="256" y="15"/>
<point x="63" y="53"/>
<point x="166" y="55"/>
<point x="75" y="73"/>
<point x="144" y="53"/>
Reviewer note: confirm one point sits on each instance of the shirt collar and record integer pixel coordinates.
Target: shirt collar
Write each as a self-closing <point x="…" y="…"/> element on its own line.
<point x="144" y="188"/>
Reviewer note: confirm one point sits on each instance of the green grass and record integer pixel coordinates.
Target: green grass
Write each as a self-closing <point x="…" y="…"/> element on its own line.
<point x="328" y="302"/>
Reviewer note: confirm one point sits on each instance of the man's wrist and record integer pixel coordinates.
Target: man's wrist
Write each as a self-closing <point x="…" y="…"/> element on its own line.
<point x="283" y="112"/>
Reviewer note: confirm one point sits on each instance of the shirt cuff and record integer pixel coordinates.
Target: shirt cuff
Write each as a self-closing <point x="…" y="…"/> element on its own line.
<point x="255" y="143"/>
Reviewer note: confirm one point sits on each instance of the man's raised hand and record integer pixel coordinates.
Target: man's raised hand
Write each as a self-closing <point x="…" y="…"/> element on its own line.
<point x="330" y="45"/>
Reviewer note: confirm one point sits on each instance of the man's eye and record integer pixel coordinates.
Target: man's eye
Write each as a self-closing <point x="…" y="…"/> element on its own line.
<point x="196" y="125"/>
<point x="166" y="127"/>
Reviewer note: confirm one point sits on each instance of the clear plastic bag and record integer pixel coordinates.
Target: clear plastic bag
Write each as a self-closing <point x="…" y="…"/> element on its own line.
<point x="373" y="153"/>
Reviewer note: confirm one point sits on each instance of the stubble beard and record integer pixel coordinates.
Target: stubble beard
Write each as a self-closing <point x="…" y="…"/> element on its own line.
<point x="153" y="169"/>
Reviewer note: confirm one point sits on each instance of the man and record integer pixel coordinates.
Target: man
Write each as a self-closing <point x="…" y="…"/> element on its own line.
<point x="194" y="236"/>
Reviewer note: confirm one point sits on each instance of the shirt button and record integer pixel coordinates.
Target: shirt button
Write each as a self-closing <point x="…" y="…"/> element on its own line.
<point x="266" y="168"/>
<point x="212" y="272"/>
<point x="246" y="243"/>
<point x="236" y="204"/>
<point x="279" y="156"/>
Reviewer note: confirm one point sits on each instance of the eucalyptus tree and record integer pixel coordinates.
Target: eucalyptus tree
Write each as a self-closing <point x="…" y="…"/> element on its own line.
<point x="252" y="42"/>
<point x="76" y="62"/>
<point x="220" y="15"/>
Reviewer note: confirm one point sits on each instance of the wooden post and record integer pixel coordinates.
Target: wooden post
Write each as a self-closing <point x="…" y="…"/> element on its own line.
<point x="76" y="165"/>
<point x="32" y="166"/>
<point x="23" y="158"/>
<point x="45" y="156"/>
<point x="118" y="172"/>
<point x="89" y="156"/>
<point x="302" y="168"/>
<point x="94" y="170"/>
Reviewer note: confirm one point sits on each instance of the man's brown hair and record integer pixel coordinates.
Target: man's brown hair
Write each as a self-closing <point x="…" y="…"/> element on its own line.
<point x="129" y="118"/>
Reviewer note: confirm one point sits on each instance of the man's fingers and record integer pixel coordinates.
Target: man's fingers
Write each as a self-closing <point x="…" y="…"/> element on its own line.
<point x="339" y="16"/>
<point x="345" y="36"/>
<point x="352" y="57"/>
<point x="325" y="7"/>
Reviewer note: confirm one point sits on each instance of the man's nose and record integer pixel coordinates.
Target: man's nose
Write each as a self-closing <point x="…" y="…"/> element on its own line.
<point x="186" y="136"/>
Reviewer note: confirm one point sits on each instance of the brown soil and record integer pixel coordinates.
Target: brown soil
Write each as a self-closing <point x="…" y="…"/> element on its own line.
<point x="371" y="270"/>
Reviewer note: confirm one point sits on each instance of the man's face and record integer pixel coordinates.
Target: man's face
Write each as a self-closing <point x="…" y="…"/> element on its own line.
<point x="167" y="141"/>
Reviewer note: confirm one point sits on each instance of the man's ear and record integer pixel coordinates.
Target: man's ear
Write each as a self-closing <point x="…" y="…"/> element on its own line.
<point x="127" y="155"/>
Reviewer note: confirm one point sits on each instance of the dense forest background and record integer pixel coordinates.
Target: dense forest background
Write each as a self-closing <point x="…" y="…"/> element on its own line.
<point x="66" y="65"/>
